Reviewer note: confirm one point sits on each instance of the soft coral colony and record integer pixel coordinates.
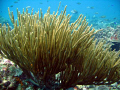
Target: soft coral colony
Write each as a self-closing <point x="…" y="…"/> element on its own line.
<point x="53" y="57"/>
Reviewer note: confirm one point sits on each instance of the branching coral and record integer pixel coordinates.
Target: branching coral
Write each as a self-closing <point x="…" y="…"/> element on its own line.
<point x="53" y="57"/>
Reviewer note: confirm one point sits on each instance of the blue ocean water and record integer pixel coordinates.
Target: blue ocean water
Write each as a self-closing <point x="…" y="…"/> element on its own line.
<point x="96" y="11"/>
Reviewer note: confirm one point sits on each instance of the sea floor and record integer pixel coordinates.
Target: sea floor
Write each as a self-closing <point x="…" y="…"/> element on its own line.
<point x="10" y="79"/>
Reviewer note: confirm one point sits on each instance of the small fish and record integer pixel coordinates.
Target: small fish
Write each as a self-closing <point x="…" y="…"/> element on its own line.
<point x="74" y="11"/>
<point x="96" y="13"/>
<point x="115" y="23"/>
<point x="41" y="3"/>
<point x="91" y="7"/>
<point x="11" y="6"/>
<point x="112" y="5"/>
<point x="78" y="3"/>
<point x="28" y="7"/>
<point x="106" y="20"/>
<point x="87" y="7"/>
<point x="94" y="16"/>
<point x="103" y="16"/>
<point x="16" y="2"/>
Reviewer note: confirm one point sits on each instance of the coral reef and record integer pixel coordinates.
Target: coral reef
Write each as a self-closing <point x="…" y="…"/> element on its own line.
<point x="110" y="35"/>
<point x="54" y="58"/>
<point x="8" y="72"/>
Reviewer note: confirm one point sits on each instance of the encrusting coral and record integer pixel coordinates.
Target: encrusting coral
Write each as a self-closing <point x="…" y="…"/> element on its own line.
<point x="52" y="56"/>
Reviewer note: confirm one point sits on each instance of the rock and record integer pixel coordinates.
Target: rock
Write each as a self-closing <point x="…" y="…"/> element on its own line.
<point x="102" y="87"/>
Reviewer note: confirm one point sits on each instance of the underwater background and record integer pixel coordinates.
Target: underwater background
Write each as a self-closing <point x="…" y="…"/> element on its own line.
<point x="102" y="14"/>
